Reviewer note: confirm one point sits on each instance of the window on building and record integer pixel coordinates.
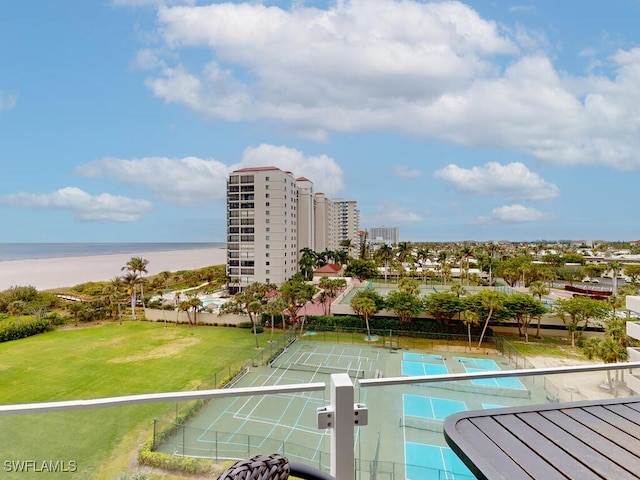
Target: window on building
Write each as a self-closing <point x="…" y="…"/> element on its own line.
<point x="267" y="272"/>
<point x="266" y="220"/>
<point x="267" y="238"/>
<point x="266" y="246"/>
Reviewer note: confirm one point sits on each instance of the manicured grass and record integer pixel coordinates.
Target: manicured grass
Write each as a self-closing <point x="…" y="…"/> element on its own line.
<point x="102" y="361"/>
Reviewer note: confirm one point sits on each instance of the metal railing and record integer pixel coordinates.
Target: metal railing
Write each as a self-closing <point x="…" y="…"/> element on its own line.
<point x="341" y="415"/>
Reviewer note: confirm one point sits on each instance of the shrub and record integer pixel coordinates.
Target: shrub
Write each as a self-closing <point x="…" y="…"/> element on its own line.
<point x="23" y="329"/>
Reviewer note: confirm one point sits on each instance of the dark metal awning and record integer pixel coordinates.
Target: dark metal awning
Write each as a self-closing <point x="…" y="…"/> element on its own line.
<point x="576" y="440"/>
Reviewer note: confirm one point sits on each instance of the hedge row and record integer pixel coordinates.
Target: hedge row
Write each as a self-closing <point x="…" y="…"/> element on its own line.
<point x="418" y="325"/>
<point x="23" y="328"/>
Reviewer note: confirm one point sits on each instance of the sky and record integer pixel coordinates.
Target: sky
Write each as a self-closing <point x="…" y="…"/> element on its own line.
<point x="120" y="120"/>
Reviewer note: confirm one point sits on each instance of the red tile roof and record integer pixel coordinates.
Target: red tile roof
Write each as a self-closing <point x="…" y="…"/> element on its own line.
<point x="328" y="268"/>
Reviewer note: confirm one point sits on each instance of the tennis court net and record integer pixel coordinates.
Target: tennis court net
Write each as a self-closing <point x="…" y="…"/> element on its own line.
<point x="304" y="367"/>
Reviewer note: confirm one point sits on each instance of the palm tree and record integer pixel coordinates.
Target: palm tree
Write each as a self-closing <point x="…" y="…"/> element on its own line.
<point x="130" y="280"/>
<point x="384" y="254"/>
<point x="365" y="305"/>
<point x="466" y="252"/>
<point x="275" y="306"/>
<point x="491" y="301"/>
<point x="307" y="263"/>
<point x="615" y="268"/>
<point x="469" y="318"/>
<point x="538" y="289"/>
<point x="138" y="265"/>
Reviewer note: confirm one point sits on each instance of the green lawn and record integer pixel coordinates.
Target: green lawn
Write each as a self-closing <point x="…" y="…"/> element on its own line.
<point x="102" y="361"/>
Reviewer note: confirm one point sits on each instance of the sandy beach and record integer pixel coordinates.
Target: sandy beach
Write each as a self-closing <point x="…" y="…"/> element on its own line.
<point x="48" y="273"/>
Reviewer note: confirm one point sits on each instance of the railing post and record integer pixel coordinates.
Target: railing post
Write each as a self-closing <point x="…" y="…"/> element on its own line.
<point x="342" y="434"/>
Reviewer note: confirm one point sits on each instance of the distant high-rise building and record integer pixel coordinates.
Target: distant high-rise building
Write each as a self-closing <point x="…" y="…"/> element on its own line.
<point x="271" y="216"/>
<point x="378" y="235"/>
<point x="346" y="221"/>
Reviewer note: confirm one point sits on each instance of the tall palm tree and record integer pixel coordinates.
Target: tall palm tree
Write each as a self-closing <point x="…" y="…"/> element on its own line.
<point x="469" y="318"/>
<point x="491" y="301"/>
<point x="539" y="289"/>
<point x="615" y="268"/>
<point x="307" y="263"/>
<point x="384" y="254"/>
<point x="138" y="265"/>
<point x="131" y="280"/>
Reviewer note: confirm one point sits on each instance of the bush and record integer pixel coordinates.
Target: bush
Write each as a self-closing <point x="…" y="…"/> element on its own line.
<point x="23" y="329"/>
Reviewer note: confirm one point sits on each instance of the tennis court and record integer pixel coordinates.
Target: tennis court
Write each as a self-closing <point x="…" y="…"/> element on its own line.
<point x="404" y="436"/>
<point x="418" y="364"/>
<point x="433" y="462"/>
<point x="422" y="406"/>
<point x="473" y="365"/>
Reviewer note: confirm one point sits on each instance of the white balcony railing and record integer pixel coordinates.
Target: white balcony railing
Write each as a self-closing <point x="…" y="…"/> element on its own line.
<point x="340" y="416"/>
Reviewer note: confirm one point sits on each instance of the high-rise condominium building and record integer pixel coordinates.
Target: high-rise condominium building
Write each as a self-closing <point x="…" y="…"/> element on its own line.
<point x="346" y="220"/>
<point x="379" y="235"/>
<point x="271" y="216"/>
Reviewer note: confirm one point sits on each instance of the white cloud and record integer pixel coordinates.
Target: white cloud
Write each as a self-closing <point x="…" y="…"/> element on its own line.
<point x="197" y="182"/>
<point x="515" y="214"/>
<point x="391" y="214"/>
<point x="513" y="181"/>
<point x="432" y="70"/>
<point x="83" y="205"/>
<point x="405" y="172"/>
<point x="186" y="181"/>
<point x="322" y="170"/>
<point x="7" y="101"/>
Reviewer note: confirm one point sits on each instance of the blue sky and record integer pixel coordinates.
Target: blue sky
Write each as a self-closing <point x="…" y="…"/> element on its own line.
<point x="484" y="120"/>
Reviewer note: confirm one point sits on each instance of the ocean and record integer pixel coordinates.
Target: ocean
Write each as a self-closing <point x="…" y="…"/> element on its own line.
<point x="25" y="251"/>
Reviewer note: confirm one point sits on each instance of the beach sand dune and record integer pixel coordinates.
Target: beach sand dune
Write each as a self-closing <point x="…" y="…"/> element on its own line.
<point x="48" y="273"/>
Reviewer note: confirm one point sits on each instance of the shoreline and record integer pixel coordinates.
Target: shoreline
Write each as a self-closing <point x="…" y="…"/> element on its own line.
<point x="63" y="272"/>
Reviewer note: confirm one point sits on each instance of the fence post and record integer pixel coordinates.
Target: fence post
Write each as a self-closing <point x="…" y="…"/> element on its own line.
<point x="342" y="442"/>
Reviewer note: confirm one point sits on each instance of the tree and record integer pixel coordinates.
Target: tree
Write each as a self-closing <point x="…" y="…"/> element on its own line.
<point x="489" y="302"/>
<point x="524" y="308"/>
<point x="296" y="293"/>
<point x="330" y="287"/>
<point x="466" y="252"/>
<point x="633" y="272"/>
<point x="384" y="254"/>
<point x="365" y="305"/>
<point x="576" y="313"/>
<point x="361" y="269"/>
<point x="539" y="289"/>
<point x="405" y="304"/>
<point x="138" y="266"/>
<point x="275" y="306"/>
<point x="615" y="268"/>
<point x="130" y="280"/>
<point x="469" y="318"/>
<point x="307" y="263"/>
<point x="443" y="306"/>
<point x="251" y="300"/>
<point x="113" y="293"/>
